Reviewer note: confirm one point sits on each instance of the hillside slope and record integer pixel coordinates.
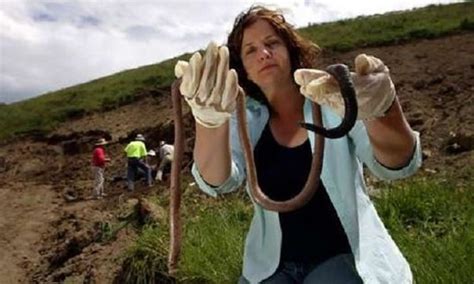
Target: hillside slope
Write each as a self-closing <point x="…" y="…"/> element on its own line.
<point x="45" y="238"/>
<point x="45" y="112"/>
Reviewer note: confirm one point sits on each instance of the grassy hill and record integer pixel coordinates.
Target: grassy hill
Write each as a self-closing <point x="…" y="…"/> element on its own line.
<point x="43" y="113"/>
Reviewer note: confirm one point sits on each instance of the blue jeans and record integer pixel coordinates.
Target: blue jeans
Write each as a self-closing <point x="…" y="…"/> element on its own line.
<point x="133" y="165"/>
<point x="338" y="269"/>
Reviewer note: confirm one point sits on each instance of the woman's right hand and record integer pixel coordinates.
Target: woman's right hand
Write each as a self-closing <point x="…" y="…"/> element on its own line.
<point x="208" y="86"/>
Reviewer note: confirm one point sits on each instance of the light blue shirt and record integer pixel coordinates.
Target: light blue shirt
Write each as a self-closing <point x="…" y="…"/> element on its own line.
<point x="377" y="258"/>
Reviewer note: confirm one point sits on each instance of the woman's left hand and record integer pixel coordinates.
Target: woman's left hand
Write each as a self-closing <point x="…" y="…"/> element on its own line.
<point x="375" y="91"/>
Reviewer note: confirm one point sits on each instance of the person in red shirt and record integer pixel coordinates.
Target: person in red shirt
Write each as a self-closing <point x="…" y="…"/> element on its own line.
<point x="98" y="167"/>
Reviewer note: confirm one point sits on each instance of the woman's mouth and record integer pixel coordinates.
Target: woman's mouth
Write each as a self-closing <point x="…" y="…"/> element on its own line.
<point x="266" y="67"/>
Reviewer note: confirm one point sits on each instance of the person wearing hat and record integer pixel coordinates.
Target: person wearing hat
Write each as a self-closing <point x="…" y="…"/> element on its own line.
<point x="150" y="158"/>
<point x="99" y="161"/>
<point x="136" y="154"/>
<point x="166" y="157"/>
<point x="152" y="162"/>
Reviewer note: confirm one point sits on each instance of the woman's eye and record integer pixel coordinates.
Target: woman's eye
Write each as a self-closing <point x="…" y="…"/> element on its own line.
<point x="273" y="43"/>
<point x="249" y="51"/>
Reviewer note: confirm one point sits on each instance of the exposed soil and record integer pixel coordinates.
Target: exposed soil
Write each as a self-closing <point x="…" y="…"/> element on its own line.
<point x="50" y="231"/>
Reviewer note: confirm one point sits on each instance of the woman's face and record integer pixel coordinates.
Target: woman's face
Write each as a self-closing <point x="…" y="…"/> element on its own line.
<point x="265" y="56"/>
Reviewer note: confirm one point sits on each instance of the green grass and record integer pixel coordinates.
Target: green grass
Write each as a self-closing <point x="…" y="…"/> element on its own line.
<point x="391" y="28"/>
<point x="432" y="221"/>
<point x="214" y="240"/>
<point x="146" y="260"/>
<point x="41" y="114"/>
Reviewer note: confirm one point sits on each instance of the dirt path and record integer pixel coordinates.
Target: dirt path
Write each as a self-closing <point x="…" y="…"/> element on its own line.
<point x="27" y="209"/>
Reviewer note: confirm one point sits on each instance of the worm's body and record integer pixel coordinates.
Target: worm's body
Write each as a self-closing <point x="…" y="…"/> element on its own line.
<point x="313" y="177"/>
<point x="175" y="184"/>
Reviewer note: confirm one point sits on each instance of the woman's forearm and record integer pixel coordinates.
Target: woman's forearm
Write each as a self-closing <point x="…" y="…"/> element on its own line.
<point x="212" y="153"/>
<point x="391" y="137"/>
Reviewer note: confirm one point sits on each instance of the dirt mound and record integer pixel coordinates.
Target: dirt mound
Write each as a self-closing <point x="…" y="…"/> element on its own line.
<point x="51" y="230"/>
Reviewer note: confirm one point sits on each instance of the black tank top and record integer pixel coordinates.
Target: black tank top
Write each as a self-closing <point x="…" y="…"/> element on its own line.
<point x="314" y="232"/>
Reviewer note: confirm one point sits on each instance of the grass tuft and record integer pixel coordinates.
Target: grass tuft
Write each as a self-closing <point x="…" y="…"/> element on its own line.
<point x="146" y="260"/>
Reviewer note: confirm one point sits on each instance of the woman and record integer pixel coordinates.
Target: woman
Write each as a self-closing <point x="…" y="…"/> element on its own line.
<point x="337" y="236"/>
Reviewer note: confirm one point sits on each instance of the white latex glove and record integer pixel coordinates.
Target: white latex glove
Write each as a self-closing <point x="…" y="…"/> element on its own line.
<point x="375" y="91"/>
<point x="208" y="86"/>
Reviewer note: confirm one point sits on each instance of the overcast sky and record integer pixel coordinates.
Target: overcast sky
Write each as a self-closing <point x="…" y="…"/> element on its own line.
<point x="49" y="45"/>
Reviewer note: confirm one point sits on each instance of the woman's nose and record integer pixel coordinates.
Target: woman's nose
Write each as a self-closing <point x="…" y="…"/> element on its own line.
<point x="264" y="54"/>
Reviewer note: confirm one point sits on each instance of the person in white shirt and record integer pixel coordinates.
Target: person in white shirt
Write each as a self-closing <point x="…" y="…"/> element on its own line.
<point x="166" y="158"/>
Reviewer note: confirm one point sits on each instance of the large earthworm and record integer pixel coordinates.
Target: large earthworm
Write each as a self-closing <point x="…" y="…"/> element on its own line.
<point x="342" y="75"/>
<point x="175" y="184"/>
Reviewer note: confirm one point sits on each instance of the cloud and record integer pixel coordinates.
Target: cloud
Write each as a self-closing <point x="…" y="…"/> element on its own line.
<point x="44" y="17"/>
<point x="48" y="45"/>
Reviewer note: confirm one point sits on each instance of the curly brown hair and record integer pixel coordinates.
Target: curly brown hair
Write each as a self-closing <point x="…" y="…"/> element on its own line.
<point x="303" y="53"/>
